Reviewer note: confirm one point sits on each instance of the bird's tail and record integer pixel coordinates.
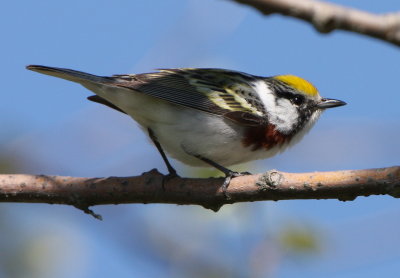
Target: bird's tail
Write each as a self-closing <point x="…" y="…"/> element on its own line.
<point x="68" y="74"/>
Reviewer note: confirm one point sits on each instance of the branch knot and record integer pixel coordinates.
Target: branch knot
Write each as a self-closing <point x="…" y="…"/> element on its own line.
<point x="270" y="179"/>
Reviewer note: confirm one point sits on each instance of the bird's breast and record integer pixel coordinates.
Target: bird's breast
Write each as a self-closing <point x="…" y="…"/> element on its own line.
<point x="265" y="137"/>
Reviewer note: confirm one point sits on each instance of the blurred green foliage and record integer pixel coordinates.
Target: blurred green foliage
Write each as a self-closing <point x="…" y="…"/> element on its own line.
<point x="300" y="239"/>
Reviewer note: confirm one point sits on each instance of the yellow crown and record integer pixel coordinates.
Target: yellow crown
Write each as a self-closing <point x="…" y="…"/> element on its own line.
<point x="298" y="84"/>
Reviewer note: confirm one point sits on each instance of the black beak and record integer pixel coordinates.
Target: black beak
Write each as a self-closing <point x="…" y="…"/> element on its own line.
<point x="329" y="103"/>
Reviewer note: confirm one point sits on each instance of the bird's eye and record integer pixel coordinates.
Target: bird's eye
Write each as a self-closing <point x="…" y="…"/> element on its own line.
<point x="297" y="100"/>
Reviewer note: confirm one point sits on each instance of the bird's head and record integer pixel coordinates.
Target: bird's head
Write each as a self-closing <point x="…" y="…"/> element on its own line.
<point x="295" y="103"/>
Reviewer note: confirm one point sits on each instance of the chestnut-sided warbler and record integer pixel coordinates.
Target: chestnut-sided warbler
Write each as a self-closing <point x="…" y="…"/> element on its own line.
<point x="209" y="117"/>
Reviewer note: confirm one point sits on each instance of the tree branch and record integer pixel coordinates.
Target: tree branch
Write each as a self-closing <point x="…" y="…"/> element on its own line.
<point x="152" y="187"/>
<point x="326" y="17"/>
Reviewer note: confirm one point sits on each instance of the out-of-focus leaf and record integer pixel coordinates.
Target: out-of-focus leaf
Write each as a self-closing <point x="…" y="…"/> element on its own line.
<point x="300" y="239"/>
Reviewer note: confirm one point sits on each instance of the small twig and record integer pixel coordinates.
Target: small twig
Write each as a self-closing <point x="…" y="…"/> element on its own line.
<point x="326" y="17"/>
<point x="148" y="188"/>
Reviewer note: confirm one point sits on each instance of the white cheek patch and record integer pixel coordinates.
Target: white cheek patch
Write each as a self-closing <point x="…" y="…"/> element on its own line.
<point x="285" y="115"/>
<point x="281" y="112"/>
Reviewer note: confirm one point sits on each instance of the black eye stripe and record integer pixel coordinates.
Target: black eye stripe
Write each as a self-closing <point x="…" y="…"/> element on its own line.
<point x="284" y="94"/>
<point x="294" y="98"/>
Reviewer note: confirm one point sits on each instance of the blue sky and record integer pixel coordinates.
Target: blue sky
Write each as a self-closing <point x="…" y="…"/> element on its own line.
<point x="50" y="128"/>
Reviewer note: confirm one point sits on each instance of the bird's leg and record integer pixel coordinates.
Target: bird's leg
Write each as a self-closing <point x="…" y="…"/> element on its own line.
<point x="229" y="174"/>
<point x="172" y="172"/>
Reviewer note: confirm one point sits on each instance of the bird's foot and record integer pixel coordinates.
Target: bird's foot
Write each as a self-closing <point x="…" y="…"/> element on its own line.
<point x="227" y="181"/>
<point x="171" y="175"/>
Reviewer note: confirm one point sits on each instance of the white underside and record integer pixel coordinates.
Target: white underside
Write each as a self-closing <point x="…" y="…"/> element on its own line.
<point x="185" y="132"/>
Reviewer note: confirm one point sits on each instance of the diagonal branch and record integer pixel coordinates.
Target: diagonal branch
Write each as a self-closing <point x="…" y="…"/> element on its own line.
<point x="327" y="17"/>
<point x="152" y="187"/>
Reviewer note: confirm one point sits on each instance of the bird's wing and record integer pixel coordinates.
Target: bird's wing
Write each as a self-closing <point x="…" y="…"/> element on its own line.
<point x="221" y="92"/>
<point x="230" y="94"/>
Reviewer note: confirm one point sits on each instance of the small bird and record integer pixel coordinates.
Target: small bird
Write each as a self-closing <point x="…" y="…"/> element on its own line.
<point x="209" y="117"/>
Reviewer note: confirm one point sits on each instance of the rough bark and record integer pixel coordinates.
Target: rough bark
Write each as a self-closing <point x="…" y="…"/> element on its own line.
<point x="153" y="187"/>
<point x="326" y="17"/>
